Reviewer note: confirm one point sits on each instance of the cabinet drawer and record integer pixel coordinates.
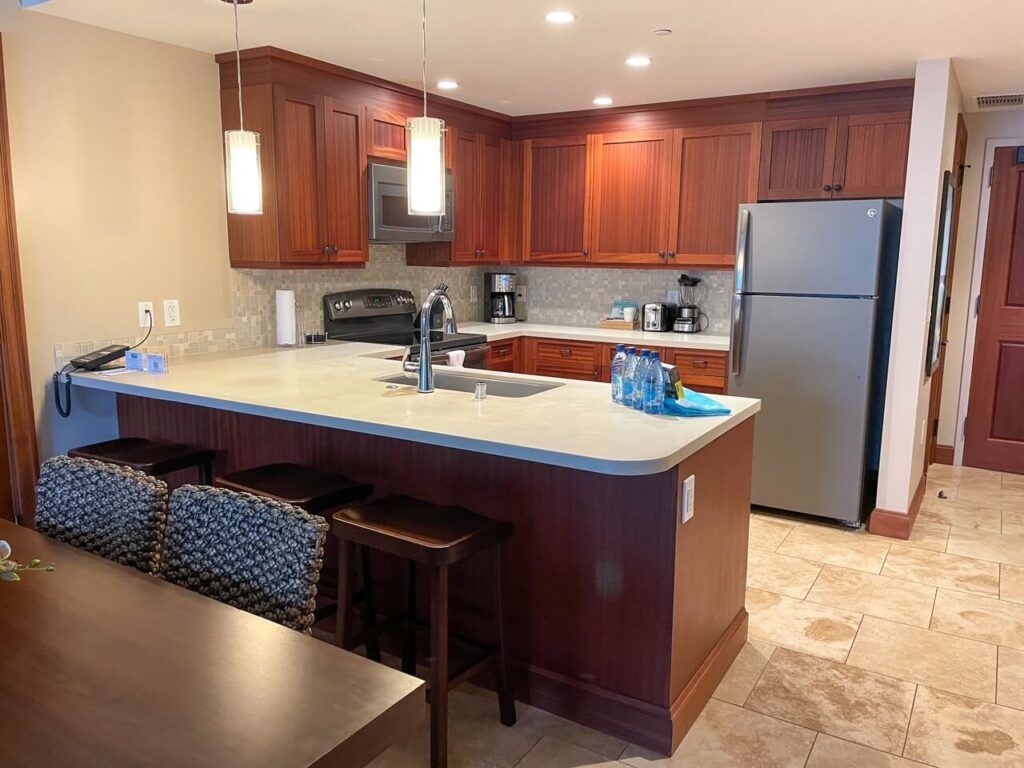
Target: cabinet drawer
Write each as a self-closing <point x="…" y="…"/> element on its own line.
<point x="501" y="356"/>
<point x="564" y="373"/>
<point x="704" y="371"/>
<point x="571" y="356"/>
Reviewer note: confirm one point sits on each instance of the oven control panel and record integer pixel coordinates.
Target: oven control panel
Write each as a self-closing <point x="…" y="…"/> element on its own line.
<point x="368" y="302"/>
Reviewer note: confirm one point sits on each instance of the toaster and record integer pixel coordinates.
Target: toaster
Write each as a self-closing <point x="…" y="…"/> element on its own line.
<point x="659" y="316"/>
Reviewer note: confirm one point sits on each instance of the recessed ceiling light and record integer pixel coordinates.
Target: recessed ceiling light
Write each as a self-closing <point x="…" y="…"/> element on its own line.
<point x="663" y="32"/>
<point x="603" y="101"/>
<point x="560" y="17"/>
<point x="447" y="85"/>
<point x="639" y="61"/>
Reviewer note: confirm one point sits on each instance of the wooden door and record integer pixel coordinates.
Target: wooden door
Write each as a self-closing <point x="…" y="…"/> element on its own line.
<point x="555" y="224"/>
<point x="465" y="170"/>
<point x="630" y="195"/>
<point x="714" y="171"/>
<point x="995" y="416"/>
<point x="871" y="155"/>
<point x="934" y="404"/>
<point x="345" y="183"/>
<point x="386" y="133"/>
<point x="300" y="154"/>
<point x="489" y="197"/>
<point x="797" y="158"/>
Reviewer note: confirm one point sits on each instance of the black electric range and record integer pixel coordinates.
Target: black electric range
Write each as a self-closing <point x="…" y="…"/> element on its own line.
<point x="388" y="316"/>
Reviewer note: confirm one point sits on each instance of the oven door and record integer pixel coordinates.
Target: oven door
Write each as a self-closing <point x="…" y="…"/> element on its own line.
<point x="476" y="357"/>
<point x="390" y="220"/>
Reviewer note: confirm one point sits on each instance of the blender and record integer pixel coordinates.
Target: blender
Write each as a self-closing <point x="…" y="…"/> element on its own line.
<point x="690" y="318"/>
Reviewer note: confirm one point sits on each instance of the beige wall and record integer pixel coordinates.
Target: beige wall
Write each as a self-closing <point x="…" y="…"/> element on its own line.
<point x="937" y="103"/>
<point x="981" y="127"/>
<point x="118" y="182"/>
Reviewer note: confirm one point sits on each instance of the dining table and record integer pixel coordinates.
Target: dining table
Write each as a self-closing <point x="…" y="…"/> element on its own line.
<point x="102" y="665"/>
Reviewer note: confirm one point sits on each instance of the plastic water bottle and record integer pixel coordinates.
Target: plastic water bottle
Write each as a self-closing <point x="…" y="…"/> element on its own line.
<point x="638" y="380"/>
<point x="654" y="386"/>
<point x="628" y="375"/>
<point x="618" y="368"/>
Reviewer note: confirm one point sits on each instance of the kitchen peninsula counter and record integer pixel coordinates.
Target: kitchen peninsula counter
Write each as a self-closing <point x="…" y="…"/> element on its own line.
<point x="623" y="611"/>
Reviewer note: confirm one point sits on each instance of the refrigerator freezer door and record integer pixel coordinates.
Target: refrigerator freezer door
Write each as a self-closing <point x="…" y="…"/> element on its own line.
<point x="809" y="361"/>
<point x="825" y="248"/>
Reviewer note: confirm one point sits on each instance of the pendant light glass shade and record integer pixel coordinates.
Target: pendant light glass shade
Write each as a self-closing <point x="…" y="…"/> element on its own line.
<point x="244" y="172"/>
<point x="425" y="166"/>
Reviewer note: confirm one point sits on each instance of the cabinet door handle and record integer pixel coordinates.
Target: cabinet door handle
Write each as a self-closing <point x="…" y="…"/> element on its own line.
<point x="837" y="188"/>
<point x="827" y="188"/>
<point x="330" y="250"/>
<point x="661" y="254"/>
<point x="565" y="352"/>
<point x="700" y="363"/>
<point x="586" y="253"/>
<point x="671" y="254"/>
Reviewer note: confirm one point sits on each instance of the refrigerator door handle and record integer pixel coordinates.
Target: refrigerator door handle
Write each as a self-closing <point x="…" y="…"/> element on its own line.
<point x="736" y="335"/>
<point x="742" y="236"/>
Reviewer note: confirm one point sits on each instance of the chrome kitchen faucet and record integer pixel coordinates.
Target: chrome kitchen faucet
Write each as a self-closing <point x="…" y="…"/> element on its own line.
<point x="424" y="369"/>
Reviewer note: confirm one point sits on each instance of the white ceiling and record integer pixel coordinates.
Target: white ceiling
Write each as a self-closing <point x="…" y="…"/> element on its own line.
<point x="507" y="58"/>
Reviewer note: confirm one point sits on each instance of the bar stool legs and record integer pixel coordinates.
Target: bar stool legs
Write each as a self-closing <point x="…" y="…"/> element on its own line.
<point x="369" y="608"/>
<point x="409" y="638"/>
<point x="506" y="701"/>
<point x="437" y="679"/>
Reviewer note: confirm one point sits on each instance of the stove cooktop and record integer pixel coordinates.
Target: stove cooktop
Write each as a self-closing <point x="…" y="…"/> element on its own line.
<point x="439" y="340"/>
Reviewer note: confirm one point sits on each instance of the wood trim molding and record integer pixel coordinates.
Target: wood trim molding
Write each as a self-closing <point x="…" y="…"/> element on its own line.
<point x="897" y="524"/>
<point x="15" y="383"/>
<point x="943" y="454"/>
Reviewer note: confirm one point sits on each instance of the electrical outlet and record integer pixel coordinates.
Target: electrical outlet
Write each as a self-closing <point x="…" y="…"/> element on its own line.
<point x="58" y="357"/>
<point x="144" y="307"/>
<point x="172" y="312"/>
<point x="689" y="491"/>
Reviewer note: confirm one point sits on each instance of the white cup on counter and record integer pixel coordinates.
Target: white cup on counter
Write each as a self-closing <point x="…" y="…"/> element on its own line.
<point x="629" y="314"/>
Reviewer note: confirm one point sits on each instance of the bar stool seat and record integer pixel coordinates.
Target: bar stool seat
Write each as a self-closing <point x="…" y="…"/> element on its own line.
<point x="435" y="537"/>
<point x="311" y="489"/>
<point x="149" y="456"/>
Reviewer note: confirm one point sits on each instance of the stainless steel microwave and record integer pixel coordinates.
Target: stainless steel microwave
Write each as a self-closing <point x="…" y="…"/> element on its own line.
<point x="390" y="220"/>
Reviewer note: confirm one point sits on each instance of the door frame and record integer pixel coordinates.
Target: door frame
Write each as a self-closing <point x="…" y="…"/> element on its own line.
<point x="15" y="381"/>
<point x="966" y="371"/>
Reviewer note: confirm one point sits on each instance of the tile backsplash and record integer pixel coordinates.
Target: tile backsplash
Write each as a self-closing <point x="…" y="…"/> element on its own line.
<point x="555" y="295"/>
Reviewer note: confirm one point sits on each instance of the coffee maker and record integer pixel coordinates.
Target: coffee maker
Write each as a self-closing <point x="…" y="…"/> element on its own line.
<point x="690" y="318"/>
<point x="500" y="296"/>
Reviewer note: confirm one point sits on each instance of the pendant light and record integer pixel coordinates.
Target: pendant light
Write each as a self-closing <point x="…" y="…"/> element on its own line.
<point x="425" y="152"/>
<point x="242" y="151"/>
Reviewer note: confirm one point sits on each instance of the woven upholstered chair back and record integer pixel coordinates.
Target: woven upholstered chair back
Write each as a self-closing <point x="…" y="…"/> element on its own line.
<point x="254" y="553"/>
<point x="112" y="511"/>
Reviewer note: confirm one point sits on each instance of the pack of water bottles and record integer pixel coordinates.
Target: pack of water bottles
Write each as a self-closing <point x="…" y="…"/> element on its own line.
<point x="638" y="380"/>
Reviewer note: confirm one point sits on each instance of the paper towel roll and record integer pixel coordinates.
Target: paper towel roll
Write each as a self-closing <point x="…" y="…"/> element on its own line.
<point x="286" y="318"/>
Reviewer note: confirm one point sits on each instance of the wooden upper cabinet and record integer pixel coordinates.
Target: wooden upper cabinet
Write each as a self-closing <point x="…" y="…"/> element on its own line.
<point x="630" y="197"/>
<point x="345" y="182"/>
<point x="386" y="133"/>
<point x="489" y="206"/>
<point x="715" y="170"/>
<point x="466" y="172"/>
<point x="846" y="156"/>
<point x="314" y="173"/>
<point x="798" y="158"/>
<point x="555" y="221"/>
<point x="871" y="155"/>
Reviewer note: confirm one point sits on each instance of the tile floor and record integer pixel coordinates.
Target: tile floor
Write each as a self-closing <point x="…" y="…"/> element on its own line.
<point x="864" y="652"/>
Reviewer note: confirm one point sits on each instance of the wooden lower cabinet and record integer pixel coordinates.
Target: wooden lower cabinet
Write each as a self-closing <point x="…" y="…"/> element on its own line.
<point x="562" y="359"/>
<point x="505" y="356"/>
<point x="700" y="370"/>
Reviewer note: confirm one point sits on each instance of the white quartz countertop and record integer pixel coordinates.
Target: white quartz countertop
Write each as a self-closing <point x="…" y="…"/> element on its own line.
<point x="500" y="332"/>
<point x="575" y="425"/>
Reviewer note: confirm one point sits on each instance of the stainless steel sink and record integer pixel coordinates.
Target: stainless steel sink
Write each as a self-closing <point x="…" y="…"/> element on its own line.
<point x="465" y="381"/>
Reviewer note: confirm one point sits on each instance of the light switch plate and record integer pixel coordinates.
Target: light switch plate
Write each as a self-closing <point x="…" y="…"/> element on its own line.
<point x="689" y="490"/>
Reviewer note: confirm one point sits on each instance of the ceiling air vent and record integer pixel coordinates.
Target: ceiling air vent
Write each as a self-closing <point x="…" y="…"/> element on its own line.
<point x="1001" y="100"/>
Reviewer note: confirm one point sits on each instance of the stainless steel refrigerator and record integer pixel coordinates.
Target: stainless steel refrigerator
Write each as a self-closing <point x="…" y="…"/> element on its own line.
<point x="811" y="319"/>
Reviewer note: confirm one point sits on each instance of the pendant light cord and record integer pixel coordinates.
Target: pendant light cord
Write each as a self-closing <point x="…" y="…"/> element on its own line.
<point x="424" y="72"/>
<point x="238" y="66"/>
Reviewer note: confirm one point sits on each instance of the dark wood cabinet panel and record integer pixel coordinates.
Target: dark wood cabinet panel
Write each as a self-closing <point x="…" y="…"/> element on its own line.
<point x="562" y="358"/>
<point x="555" y="226"/>
<point x="301" y="156"/>
<point x="871" y="156"/>
<point x="701" y="370"/>
<point x="798" y="158"/>
<point x="466" y="172"/>
<point x="505" y="356"/>
<point x="386" y="133"/>
<point x="345" y="182"/>
<point x="630" y="195"/>
<point x="715" y="170"/>
<point x="489" y="207"/>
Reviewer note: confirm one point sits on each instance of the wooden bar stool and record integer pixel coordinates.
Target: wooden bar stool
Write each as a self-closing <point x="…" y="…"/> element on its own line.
<point x="314" y="490"/>
<point x="434" y="537"/>
<point x="149" y="456"/>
